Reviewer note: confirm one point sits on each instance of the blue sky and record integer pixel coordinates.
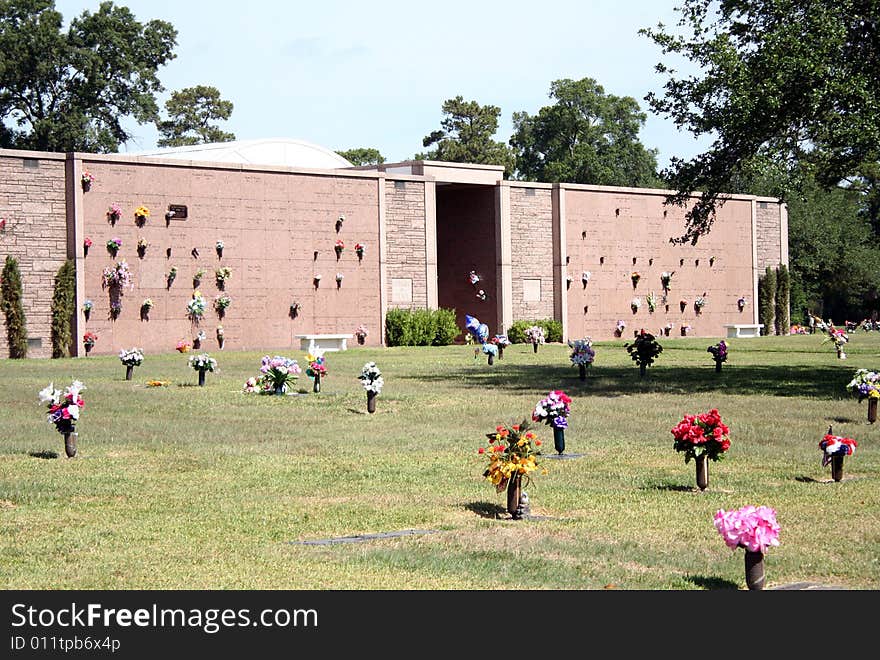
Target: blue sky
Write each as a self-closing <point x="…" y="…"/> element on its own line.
<point x="348" y="74"/>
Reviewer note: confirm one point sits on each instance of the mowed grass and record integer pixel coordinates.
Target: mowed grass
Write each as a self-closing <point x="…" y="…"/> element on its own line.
<point x="186" y="487"/>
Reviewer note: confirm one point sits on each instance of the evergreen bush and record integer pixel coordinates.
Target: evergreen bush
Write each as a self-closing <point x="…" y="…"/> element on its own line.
<point x="63" y="308"/>
<point x="783" y="292"/>
<point x="552" y="330"/>
<point x="420" y="327"/>
<point x="11" y="295"/>
<point x="767" y="301"/>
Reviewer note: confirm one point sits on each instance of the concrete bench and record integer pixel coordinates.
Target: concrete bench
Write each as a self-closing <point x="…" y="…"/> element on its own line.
<point x="323" y="343"/>
<point x="744" y="329"/>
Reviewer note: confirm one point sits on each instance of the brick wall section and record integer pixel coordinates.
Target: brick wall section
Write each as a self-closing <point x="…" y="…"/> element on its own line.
<point x="466" y="242"/>
<point x="278" y="229"/>
<point x="606" y="230"/>
<point x="767" y="221"/>
<point x="32" y="201"/>
<point x="405" y="240"/>
<point x="531" y="238"/>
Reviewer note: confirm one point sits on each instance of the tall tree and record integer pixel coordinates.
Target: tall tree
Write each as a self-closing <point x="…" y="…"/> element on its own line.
<point x="363" y="156"/>
<point x="779" y="80"/>
<point x="587" y="136"/>
<point x="63" y="308"/>
<point x="70" y="91"/>
<point x="190" y="113"/>
<point x="466" y="136"/>
<point x="11" y="300"/>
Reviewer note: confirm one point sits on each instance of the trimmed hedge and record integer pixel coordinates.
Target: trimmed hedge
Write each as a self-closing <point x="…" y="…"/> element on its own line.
<point x="10" y="298"/>
<point x="552" y="330"/>
<point x="420" y="327"/>
<point x="63" y="308"/>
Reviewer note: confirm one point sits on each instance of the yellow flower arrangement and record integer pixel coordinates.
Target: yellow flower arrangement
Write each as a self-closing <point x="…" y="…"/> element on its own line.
<point x="158" y="383"/>
<point x="511" y="450"/>
<point x="142" y="211"/>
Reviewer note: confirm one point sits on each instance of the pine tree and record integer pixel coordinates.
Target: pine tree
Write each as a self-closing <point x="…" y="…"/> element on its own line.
<point x="63" y="307"/>
<point x="783" y="291"/>
<point x="767" y="301"/>
<point x="16" y="324"/>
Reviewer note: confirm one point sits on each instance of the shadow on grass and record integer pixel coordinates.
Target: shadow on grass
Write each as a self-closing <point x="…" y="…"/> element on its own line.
<point x="43" y="454"/>
<point x="807" y="480"/>
<point x="712" y="583"/>
<point x="674" y="487"/>
<point x="840" y="420"/>
<point x="818" y="382"/>
<point x="486" y="509"/>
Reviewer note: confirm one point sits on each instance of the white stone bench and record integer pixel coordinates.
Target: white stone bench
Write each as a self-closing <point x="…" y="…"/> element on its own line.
<point x="744" y="329"/>
<point x="323" y="343"/>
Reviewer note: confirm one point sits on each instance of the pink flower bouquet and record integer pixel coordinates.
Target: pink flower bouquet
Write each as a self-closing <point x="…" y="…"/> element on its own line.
<point x="753" y="528"/>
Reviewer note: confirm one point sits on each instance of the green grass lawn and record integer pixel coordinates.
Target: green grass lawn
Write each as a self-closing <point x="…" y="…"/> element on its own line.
<point x="186" y="487"/>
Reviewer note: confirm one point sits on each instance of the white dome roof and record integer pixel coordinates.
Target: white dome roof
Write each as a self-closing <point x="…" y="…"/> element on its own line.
<point x="283" y="152"/>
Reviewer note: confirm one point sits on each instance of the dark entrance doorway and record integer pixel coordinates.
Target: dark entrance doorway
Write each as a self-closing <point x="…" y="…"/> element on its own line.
<point x="466" y="242"/>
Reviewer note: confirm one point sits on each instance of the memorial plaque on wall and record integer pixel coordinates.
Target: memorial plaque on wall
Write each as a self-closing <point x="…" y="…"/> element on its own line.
<point x="179" y="211"/>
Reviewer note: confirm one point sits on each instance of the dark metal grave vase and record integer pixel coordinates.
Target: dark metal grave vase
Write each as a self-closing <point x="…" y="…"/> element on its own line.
<point x="754" y="563"/>
<point x="371" y="402"/>
<point x="500" y="352"/>
<point x="70" y="443"/>
<point x="535" y="346"/>
<point x="702" y="471"/>
<point x="129" y="370"/>
<point x="582" y="371"/>
<point x="491" y="359"/>
<point x="201" y="378"/>
<point x="837" y="467"/>
<point x="316" y="387"/>
<point x="514" y="494"/>
<point x="718" y="366"/>
<point x="559" y="440"/>
<point x="642" y="369"/>
<point x="872" y="410"/>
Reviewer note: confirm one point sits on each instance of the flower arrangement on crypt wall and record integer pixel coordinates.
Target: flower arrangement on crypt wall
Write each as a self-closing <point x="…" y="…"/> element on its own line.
<point x="221" y="275"/>
<point x="114" y="212"/>
<point x="89" y="341"/>
<point x="361" y="333"/>
<point x="141" y="213"/>
<point x="195" y="308"/>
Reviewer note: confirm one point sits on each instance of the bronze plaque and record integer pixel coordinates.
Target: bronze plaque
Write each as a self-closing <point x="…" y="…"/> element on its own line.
<point x="179" y="211"/>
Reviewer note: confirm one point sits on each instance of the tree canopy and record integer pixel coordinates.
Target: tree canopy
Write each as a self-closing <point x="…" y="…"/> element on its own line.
<point x="70" y="91"/>
<point x="190" y="113"/>
<point x="783" y="82"/>
<point x="363" y="156"/>
<point x="587" y="136"/>
<point x="466" y="136"/>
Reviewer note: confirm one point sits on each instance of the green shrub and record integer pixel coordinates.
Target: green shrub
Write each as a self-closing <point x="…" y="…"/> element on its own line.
<point x="11" y="295"/>
<point x="446" y="328"/>
<point x="783" y="291"/>
<point x="767" y="301"/>
<point x="63" y="308"/>
<point x="420" y="327"/>
<point x="552" y="330"/>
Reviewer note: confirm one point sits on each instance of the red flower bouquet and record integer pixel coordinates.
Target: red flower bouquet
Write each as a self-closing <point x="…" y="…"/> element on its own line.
<point x="696" y="435"/>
